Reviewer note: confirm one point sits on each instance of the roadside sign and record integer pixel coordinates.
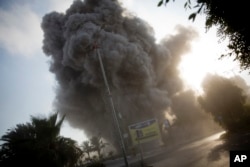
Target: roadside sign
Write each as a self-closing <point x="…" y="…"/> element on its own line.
<point x="144" y="131"/>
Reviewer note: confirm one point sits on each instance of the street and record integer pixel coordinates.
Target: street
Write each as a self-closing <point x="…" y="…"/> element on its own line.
<point x="199" y="153"/>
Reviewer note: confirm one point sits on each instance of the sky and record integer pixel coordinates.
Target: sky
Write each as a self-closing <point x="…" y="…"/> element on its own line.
<point x="28" y="88"/>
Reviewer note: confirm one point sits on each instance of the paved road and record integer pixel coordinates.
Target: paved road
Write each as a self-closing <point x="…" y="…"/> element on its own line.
<point x="199" y="153"/>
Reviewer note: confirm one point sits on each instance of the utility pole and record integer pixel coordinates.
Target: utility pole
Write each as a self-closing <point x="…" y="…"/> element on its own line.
<point x="112" y="106"/>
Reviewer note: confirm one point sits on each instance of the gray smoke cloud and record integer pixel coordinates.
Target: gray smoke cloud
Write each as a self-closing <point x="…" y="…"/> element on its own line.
<point x="192" y="121"/>
<point x="142" y="74"/>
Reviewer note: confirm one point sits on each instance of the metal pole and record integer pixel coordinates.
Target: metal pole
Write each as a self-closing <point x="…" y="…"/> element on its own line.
<point x="141" y="152"/>
<point x="113" y="108"/>
<point x="139" y="135"/>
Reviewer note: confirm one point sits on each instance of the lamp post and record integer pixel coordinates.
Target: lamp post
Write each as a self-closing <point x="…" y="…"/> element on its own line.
<point x="112" y="106"/>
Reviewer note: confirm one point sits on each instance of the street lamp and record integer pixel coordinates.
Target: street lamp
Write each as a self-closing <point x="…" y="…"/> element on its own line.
<point x="112" y="106"/>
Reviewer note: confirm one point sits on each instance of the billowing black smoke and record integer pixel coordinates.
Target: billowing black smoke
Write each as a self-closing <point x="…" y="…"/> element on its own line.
<point x="142" y="74"/>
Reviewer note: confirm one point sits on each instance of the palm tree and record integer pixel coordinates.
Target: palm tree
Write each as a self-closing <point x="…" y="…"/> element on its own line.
<point x="38" y="144"/>
<point x="69" y="153"/>
<point x="15" y="142"/>
<point x="47" y="128"/>
<point x="98" y="144"/>
<point x="87" y="148"/>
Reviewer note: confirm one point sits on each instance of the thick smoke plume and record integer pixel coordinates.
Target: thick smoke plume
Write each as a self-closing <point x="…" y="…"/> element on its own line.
<point x="142" y="75"/>
<point x="191" y="120"/>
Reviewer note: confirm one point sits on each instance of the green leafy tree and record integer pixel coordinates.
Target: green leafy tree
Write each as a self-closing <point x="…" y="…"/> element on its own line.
<point x="230" y="19"/>
<point x="226" y="103"/>
<point x="38" y="144"/>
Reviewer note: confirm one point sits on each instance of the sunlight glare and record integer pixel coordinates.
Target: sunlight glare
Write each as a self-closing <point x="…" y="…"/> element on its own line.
<point x="203" y="59"/>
